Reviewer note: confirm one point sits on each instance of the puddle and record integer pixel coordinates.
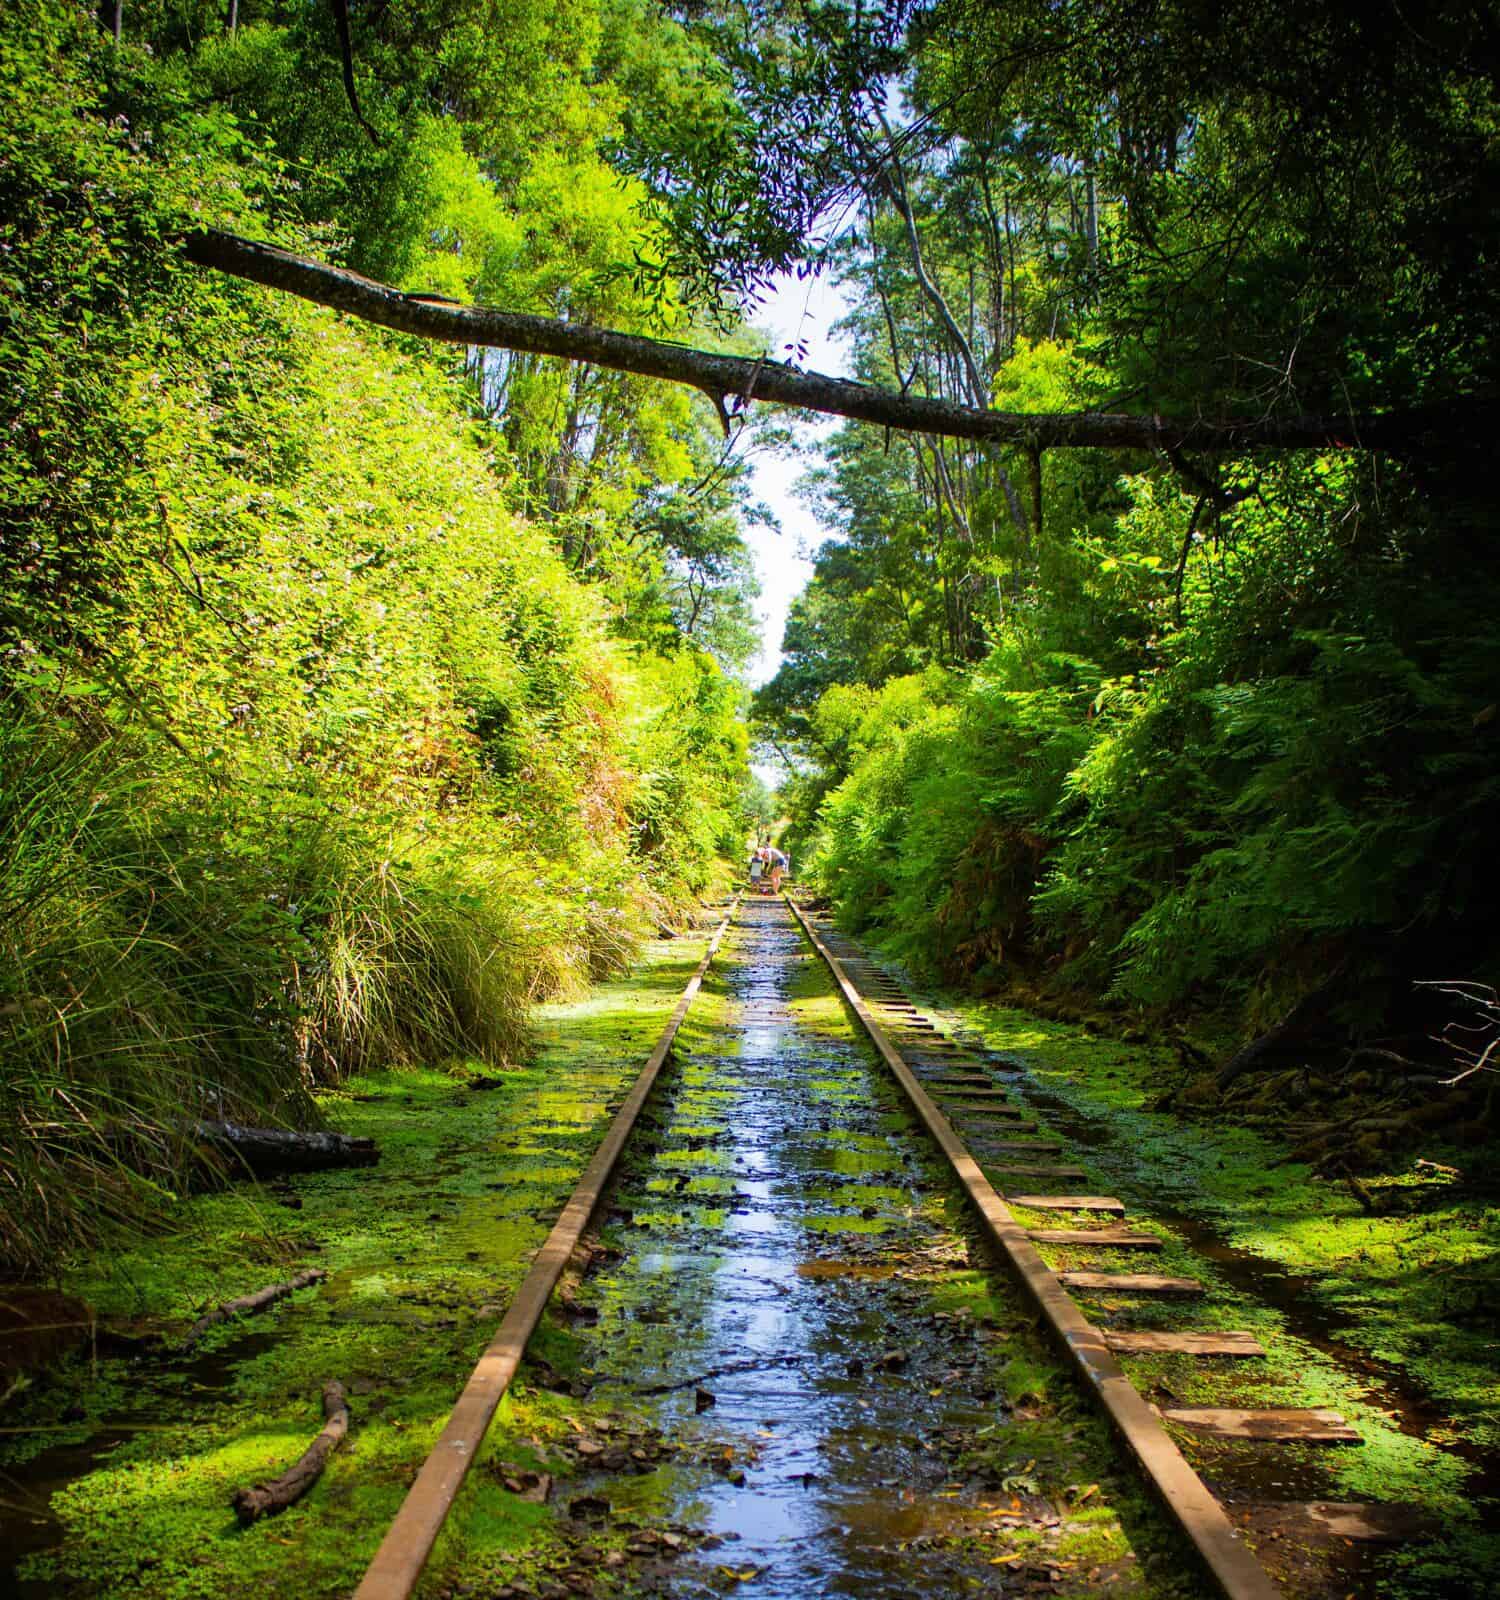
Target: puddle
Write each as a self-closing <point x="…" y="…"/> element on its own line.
<point x="768" y="1356"/>
<point x="27" y="1523"/>
<point x="844" y="1269"/>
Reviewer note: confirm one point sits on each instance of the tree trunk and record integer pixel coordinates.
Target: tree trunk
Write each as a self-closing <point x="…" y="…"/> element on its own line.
<point x="1091" y="217"/>
<point x="719" y="376"/>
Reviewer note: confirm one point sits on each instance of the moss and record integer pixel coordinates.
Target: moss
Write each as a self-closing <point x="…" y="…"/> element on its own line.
<point x="421" y="1253"/>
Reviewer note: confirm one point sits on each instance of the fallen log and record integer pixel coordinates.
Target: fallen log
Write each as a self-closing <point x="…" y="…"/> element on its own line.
<point x="248" y="1304"/>
<point x="262" y="1151"/>
<point x="745" y="379"/>
<point x="266" y="1499"/>
<point x="1438" y="1169"/>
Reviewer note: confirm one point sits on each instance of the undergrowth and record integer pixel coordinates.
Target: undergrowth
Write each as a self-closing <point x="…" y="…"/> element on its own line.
<point x="317" y="756"/>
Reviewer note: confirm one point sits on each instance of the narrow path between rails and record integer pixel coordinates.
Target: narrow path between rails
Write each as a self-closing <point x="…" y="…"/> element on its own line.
<point x="787" y="1285"/>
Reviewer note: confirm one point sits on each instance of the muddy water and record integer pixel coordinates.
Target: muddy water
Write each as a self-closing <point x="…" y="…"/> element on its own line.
<point x="767" y="1303"/>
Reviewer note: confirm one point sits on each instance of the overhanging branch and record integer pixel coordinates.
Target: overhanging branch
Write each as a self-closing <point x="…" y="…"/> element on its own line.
<point x="721" y="376"/>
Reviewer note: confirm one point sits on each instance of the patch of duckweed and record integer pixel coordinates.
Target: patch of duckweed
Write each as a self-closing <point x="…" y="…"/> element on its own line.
<point x="896" y="1124"/>
<point x="692" y="1157"/>
<point x="422" y="1253"/>
<point x="840" y="1222"/>
<point x="848" y="1087"/>
<point x="857" y="1163"/>
<point x="699" y="1217"/>
<point x="853" y="1139"/>
<point x="692" y="1186"/>
<point x="859" y="1194"/>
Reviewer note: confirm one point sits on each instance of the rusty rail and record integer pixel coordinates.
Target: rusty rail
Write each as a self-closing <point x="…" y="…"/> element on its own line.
<point x="408" y="1542"/>
<point x="1234" y="1568"/>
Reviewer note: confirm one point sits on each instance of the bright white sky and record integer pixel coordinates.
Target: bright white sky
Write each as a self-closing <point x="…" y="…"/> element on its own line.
<point x="783" y="563"/>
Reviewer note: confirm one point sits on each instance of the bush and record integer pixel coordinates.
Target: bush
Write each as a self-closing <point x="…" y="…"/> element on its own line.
<point x="317" y="758"/>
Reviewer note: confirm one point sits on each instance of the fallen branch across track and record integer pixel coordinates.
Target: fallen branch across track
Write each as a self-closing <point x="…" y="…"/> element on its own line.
<point x="398" y="1563"/>
<point x="746" y="380"/>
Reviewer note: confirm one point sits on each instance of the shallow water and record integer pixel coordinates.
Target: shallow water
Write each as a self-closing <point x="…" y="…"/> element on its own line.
<point x="781" y="1307"/>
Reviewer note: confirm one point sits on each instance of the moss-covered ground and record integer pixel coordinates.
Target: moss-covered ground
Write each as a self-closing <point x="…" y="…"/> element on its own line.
<point x="118" y="1469"/>
<point x="1387" y="1318"/>
<point x="120" y="1465"/>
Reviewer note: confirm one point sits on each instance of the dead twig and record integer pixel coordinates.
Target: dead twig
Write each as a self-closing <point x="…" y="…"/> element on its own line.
<point x="265" y="1499"/>
<point x="248" y="1304"/>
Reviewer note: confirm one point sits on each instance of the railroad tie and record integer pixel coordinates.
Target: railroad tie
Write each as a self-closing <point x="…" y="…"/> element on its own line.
<point x="1128" y="1283"/>
<point x="1355" y="1521"/>
<point x="1103" y="1204"/>
<point x="1154" y="1341"/>
<point x="1100" y="1238"/>
<point x="1273" y="1424"/>
<point x="1025" y="1170"/>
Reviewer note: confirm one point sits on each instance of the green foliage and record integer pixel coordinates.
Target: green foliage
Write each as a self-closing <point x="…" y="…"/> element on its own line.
<point x="318" y="755"/>
<point x="1175" y="729"/>
<point x="1253" y="799"/>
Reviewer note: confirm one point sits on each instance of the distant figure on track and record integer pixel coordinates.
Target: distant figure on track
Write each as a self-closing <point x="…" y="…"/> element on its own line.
<point x="757" y="868"/>
<point x="779" y="864"/>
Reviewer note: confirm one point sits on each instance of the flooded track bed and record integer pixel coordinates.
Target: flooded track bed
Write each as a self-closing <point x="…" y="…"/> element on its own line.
<point x="788" y="1288"/>
<point x="785" y="1359"/>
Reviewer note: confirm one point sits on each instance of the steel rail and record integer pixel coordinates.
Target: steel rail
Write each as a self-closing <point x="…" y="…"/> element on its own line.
<point x="398" y="1563"/>
<point x="1187" y="1498"/>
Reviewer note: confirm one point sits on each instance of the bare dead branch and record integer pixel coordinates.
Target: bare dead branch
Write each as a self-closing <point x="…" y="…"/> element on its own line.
<point x="346" y="53"/>
<point x="1398" y="432"/>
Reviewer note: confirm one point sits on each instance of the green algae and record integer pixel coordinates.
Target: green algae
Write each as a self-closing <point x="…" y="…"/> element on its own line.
<point x="831" y="1222"/>
<point x="859" y="1194"/>
<point x="422" y="1252"/>
<point x="692" y="1186"/>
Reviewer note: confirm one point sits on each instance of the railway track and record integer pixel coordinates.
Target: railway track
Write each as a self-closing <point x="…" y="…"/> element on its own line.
<point x="749" y="1130"/>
